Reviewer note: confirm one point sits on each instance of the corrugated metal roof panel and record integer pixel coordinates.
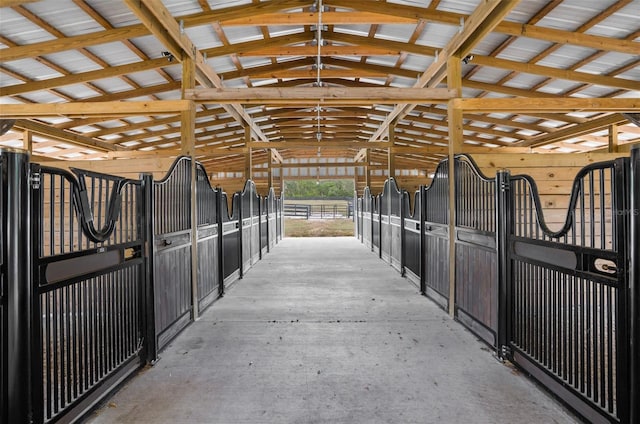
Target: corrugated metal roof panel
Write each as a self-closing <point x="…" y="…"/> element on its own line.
<point x="437" y="35"/>
<point x="242" y="34"/>
<point x="74" y="61"/>
<point x="459" y="6"/>
<point x="203" y="37"/>
<point x="621" y="24"/>
<point x="523" y="49"/>
<point x="114" y="54"/>
<point x="489" y="75"/>
<point x="569" y="14"/>
<point x="31" y="69"/>
<point x="182" y="7"/>
<point x="399" y="32"/>
<point x="116" y="12"/>
<point x="78" y="91"/>
<point x="611" y="61"/>
<point x="20" y="30"/>
<point x="65" y="16"/>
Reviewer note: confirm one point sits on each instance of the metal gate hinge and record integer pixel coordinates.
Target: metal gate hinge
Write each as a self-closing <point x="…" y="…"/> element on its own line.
<point x="505" y="351"/>
<point x="505" y="186"/>
<point x="34" y="180"/>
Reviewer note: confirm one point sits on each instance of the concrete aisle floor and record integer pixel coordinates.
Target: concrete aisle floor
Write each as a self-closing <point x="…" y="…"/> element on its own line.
<point x="322" y="331"/>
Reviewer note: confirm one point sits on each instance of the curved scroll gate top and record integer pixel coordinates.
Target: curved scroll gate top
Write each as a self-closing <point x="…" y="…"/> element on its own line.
<point x="437" y="195"/>
<point x="475" y="196"/>
<point x="235" y="207"/>
<point x="84" y="205"/>
<point x="390" y="198"/>
<point x="172" y="194"/>
<point x="250" y="199"/>
<point x="595" y="178"/>
<point x="206" y="197"/>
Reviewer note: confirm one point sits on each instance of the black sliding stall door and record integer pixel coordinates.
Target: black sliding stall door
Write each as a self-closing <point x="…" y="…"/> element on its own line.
<point x="568" y="291"/>
<point x="172" y="251"/>
<point x="89" y="284"/>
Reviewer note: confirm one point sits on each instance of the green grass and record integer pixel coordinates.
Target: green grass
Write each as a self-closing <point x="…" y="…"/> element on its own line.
<point x="318" y="227"/>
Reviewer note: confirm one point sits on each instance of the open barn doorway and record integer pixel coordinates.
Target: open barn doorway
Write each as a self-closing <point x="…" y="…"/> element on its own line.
<point x="319" y="208"/>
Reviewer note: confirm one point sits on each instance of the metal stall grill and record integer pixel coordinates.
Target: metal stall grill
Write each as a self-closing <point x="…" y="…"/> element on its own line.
<point x="395" y="219"/>
<point x="412" y="240"/>
<point x="375" y="225"/>
<point x="89" y="276"/>
<point x="231" y="249"/>
<point x="272" y="217"/>
<point x="263" y="202"/>
<point x="436" y="250"/>
<point x="367" y="218"/>
<point x="172" y="251"/>
<point x="476" y="250"/>
<point x="208" y="243"/>
<point x="569" y="291"/>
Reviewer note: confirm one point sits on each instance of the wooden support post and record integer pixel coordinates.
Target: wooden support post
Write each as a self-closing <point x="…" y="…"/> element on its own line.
<point x="454" y="80"/>
<point x="391" y="165"/>
<point x="27" y="141"/>
<point x="188" y="145"/>
<point x="613" y="138"/>
<point x="269" y="170"/>
<point x="248" y="160"/>
<point x="367" y="170"/>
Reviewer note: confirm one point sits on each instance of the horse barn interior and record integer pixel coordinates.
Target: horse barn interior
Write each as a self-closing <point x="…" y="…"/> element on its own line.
<point x="493" y="276"/>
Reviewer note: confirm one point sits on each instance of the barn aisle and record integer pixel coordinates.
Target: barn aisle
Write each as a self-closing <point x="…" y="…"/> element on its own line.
<point x="322" y="331"/>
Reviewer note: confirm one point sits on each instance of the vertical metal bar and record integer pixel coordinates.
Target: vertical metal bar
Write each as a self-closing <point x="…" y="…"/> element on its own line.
<point x="220" y="207"/>
<point x="622" y="216"/>
<point x="19" y="293"/>
<point x="423" y="241"/>
<point x="240" y="207"/>
<point x="402" y="234"/>
<point x="634" y="286"/>
<point x="148" y="279"/>
<point x="259" y="227"/>
<point x="503" y="232"/>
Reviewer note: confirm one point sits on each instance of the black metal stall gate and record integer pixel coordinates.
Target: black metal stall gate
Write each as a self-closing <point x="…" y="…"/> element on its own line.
<point x="96" y="275"/>
<point x="563" y="305"/>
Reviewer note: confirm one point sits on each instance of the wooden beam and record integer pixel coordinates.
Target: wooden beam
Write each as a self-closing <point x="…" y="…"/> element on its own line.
<point x="553" y="105"/>
<point x="324" y="51"/>
<point x="566" y="133"/>
<point x="110" y="72"/>
<point x="613" y="138"/>
<point x="322" y="95"/>
<point x="311" y="74"/>
<point x="551" y="72"/>
<point x="27" y="141"/>
<point x="456" y="141"/>
<point x="102" y="109"/>
<point x="328" y="18"/>
<point x="64" y="136"/>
